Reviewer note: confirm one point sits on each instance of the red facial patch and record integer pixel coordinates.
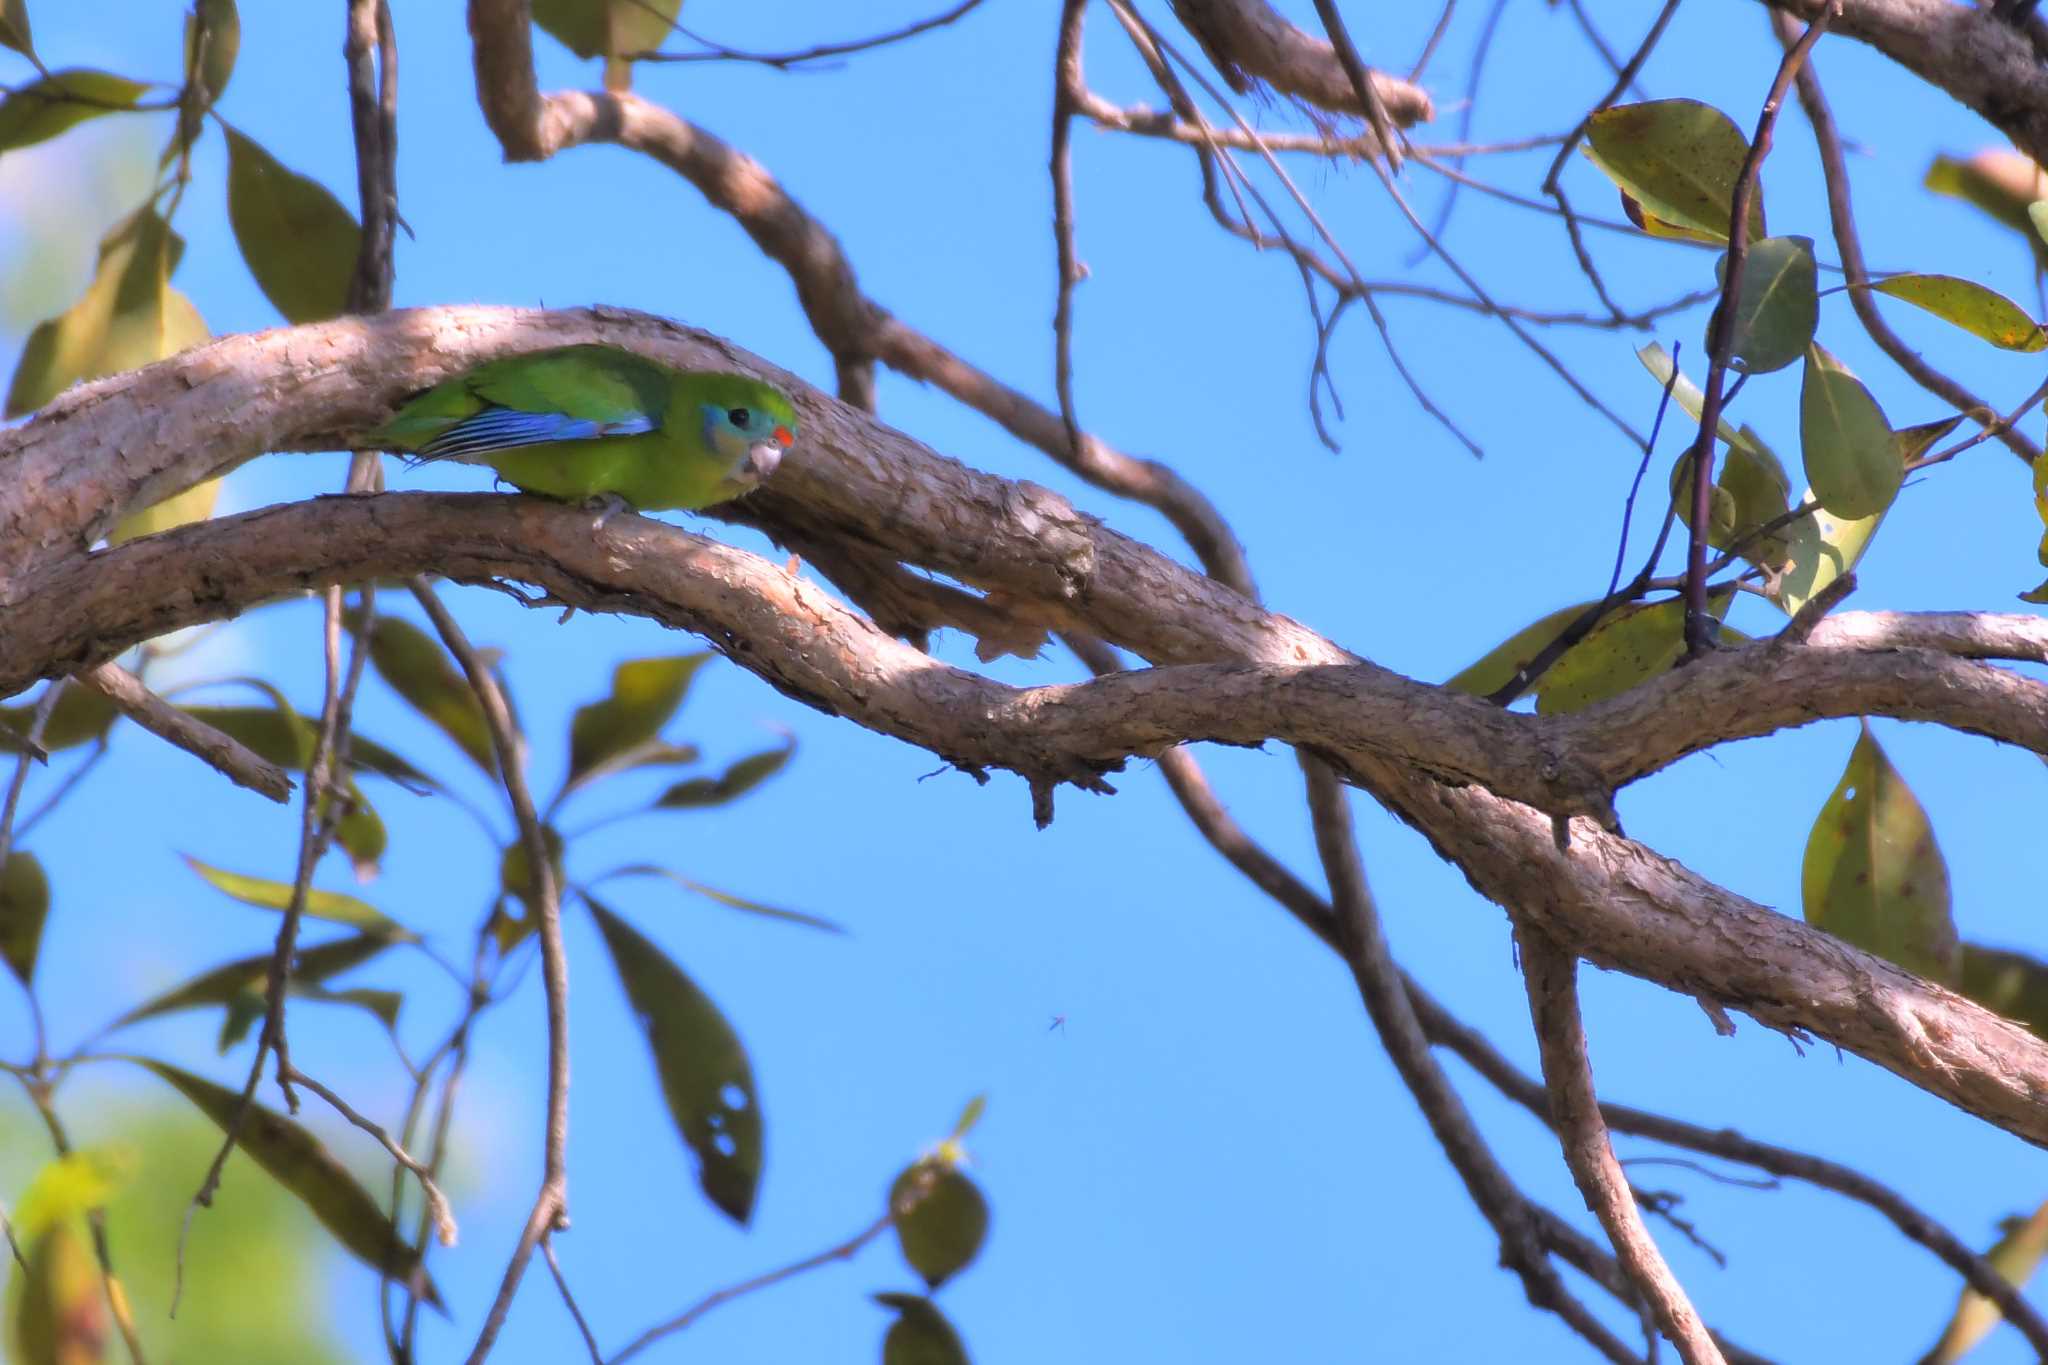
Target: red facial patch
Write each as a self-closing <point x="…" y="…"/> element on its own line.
<point x="783" y="437"/>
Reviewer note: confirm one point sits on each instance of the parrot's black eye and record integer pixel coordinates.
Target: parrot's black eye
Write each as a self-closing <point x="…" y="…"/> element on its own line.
<point x="739" y="417"/>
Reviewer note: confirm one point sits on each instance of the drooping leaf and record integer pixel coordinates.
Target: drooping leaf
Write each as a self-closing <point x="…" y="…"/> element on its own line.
<point x="56" y="1314"/>
<point x="14" y="31"/>
<point x="297" y="1160"/>
<point x="705" y="1076"/>
<point x="1778" y="305"/>
<point x="61" y="101"/>
<point x="332" y="906"/>
<point x="129" y="316"/>
<point x="213" y="39"/>
<point x="2040" y="594"/>
<point x="1873" y="873"/>
<point x="2015" y="1256"/>
<point x="941" y="1219"/>
<point x="1970" y="306"/>
<point x="724" y="898"/>
<point x="1684" y="392"/>
<point x="1498" y="667"/>
<point x="2002" y="183"/>
<point x="24" y="905"/>
<point x="420" y="671"/>
<point x="2013" y="984"/>
<point x="736" y="781"/>
<point x="2037" y="215"/>
<point x="1821" y="548"/>
<point x="1628" y="647"/>
<point x="645" y="693"/>
<point x="1679" y="159"/>
<point x="297" y="239"/>
<point x="222" y="985"/>
<point x="1851" y="459"/>
<point x="920" y="1335"/>
<point x="80" y="716"/>
<point x="656" y="753"/>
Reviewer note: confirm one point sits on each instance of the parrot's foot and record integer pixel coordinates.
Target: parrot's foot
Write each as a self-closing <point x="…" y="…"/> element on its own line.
<point x="607" y="506"/>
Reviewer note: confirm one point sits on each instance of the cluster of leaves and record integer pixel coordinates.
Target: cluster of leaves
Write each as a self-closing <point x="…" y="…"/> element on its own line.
<point x="298" y="240"/>
<point x="1874" y="873"/>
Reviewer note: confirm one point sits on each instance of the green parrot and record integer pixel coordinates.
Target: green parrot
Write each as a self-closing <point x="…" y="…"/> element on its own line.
<point x="600" y="425"/>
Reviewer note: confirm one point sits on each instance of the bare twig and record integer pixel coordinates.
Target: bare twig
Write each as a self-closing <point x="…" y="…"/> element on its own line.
<point x="230" y="756"/>
<point x="437" y="1203"/>
<point x="1066" y="79"/>
<point x="547" y="1250"/>
<point x="718" y="52"/>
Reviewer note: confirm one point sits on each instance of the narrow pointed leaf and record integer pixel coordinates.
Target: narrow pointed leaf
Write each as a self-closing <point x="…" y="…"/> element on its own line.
<point x="645" y="693"/>
<point x="1873" y="873"/>
<point x="297" y="1160"/>
<point x="81" y="716"/>
<point x="1684" y="392"/>
<point x="1679" y="159"/>
<point x="14" y="31"/>
<point x="24" y="905"/>
<point x="655" y="753"/>
<point x="419" y="670"/>
<point x="223" y="984"/>
<point x="1970" y="306"/>
<point x="969" y="1116"/>
<point x="286" y="738"/>
<point x="61" y="101"/>
<point x="920" y="1335"/>
<point x="1778" y="305"/>
<point x="1851" y="459"/>
<point x="724" y="898"/>
<point x="332" y="906"/>
<point x="298" y="240"/>
<point x="736" y="781"/>
<point x="2015" y="1256"/>
<point x="705" y="1076"/>
<point x="941" y="1219"/>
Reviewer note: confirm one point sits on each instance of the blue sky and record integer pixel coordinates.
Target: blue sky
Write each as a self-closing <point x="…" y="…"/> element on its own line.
<point x="1211" y="1160"/>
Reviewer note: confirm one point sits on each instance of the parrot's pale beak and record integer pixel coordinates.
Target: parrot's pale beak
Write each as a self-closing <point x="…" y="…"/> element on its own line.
<point x="762" y="458"/>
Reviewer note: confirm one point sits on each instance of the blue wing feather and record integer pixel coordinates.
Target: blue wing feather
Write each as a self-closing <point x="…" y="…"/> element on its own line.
<point x="498" y="428"/>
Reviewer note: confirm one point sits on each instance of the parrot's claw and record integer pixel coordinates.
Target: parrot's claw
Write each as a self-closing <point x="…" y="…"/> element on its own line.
<point x="607" y="506"/>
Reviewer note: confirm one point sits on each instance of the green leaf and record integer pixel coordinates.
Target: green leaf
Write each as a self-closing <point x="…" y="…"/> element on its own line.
<point x="1851" y="459"/>
<point x="2037" y="214"/>
<point x="722" y="897"/>
<point x="61" y="101"/>
<point x="515" y="871"/>
<point x="705" y="1076"/>
<point x="1679" y="159"/>
<point x="920" y="1335"/>
<point x="2013" y="984"/>
<point x="420" y="671"/>
<point x="1873" y="873"/>
<point x="14" y="31"/>
<point x="969" y="1116"/>
<point x="941" y="1219"/>
<point x="24" y="905"/>
<point x="656" y="753"/>
<point x="607" y="28"/>
<point x="645" y="693"/>
<point x="1684" y="392"/>
<point x="1821" y="548"/>
<point x="129" y="316"/>
<point x="213" y="39"/>
<point x="1498" y="667"/>
<point x="81" y="716"/>
<point x="1970" y="306"/>
<point x="332" y="906"/>
<point x="298" y="240"/>
<point x="222" y="985"/>
<point x="1778" y="306"/>
<point x="1754" y="477"/>
<point x="297" y="1160"/>
<point x="2015" y="1256"/>
<point x="1630" y="646"/>
<point x="735" y="782"/>
<point x="286" y="738"/>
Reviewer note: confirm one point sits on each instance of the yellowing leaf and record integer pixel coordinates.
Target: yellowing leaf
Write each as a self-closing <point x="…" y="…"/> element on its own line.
<point x="323" y="905"/>
<point x="1498" y="667"/>
<point x="1970" y="306"/>
<point x="298" y="240"/>
<point x="705" y="1076"/>
<point x="1851" y="459"/>
<point x="2015" y="1256"/>
<point x="1778" y="305"/>
<point x="1679" y="159"/>
<point x="72" y="1185"/>
<point x="1628" y="647"/>
<point x="2001" y="182"/>
<point x="1873" y="873"/>
<point x="61" y="101"/>
<point x="1684" y="392"/>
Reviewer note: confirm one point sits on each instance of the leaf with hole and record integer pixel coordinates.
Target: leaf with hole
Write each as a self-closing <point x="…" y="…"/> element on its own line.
<point x="1979" y="311"/>
<point x="1873" y="873"/>
<point x="1679" y="159"/>
<point x="24" y="905"/>
<point x="296" y="238"/>
<point x="61" y="101"/>
<point x="1851" y="459"/>
<point x="1777" y="307"/>
<point x="706" y="1079"/>
<point x="941" y="1219"/>
<point x="297" y="1160"/>
<point x="645" y="694"/>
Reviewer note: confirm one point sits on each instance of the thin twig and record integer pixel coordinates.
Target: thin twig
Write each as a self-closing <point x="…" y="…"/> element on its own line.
<point x="784" y="60"/>
<point x="234" y="760"/>
<point x="1067" y="78"/>
<point x="437" y="1203"/>
<point x="547" y="1251"/>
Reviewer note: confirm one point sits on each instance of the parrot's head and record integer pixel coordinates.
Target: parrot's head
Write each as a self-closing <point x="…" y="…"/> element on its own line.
<point x="750" y="424"/>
